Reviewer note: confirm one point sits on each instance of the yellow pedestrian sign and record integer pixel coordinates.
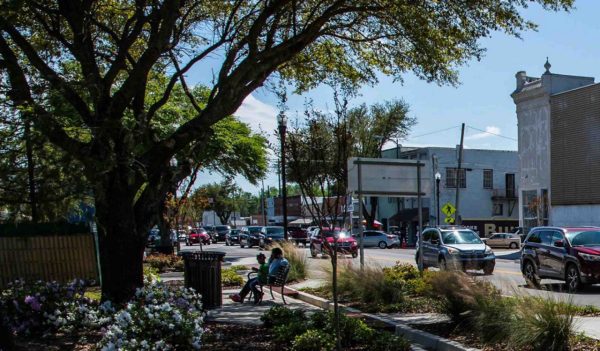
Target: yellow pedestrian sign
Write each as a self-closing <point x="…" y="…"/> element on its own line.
<point x="449" y="220"/>
<point x="448" y="209"/>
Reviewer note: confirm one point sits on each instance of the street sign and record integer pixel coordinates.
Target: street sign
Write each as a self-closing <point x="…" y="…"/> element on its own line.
<point x="448" y="209"/>
<point x="449" y="220"/>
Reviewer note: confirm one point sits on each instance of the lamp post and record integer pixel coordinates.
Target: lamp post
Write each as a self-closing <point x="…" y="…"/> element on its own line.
<point x="282" y="125"/>
<point x="438" y="178"/>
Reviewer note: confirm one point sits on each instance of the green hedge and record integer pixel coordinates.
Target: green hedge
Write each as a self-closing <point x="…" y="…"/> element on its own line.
<point x="37" y="229"/>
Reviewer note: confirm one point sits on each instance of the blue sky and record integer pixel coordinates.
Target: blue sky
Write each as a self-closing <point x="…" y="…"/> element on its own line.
<point x="482" y="100"/>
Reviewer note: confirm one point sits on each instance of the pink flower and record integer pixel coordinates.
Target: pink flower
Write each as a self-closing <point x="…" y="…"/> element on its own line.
<point x="33" y="303"/>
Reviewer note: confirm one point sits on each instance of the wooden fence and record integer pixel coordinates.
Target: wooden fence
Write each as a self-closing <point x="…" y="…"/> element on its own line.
<point x="51" y="257"/>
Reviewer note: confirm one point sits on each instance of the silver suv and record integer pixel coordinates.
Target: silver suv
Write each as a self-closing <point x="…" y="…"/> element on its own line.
<point x="456" y="248"/>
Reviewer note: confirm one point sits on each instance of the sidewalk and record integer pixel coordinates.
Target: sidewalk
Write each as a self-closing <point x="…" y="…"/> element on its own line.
<point x="247" y="312"/>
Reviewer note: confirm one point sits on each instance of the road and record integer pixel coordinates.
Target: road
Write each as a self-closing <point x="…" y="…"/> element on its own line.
<point x="507" y="275"/>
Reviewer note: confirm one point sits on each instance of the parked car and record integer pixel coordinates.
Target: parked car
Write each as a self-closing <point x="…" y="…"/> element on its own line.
<point x="220" y="232"/>
<point x="504" y="240"/>
<point x="250" y="236"/>
<point x="298" y="235"/>
<point x="198" y="236"/>
<point x="377" y="238"/>
<point x="346" y="243"/>
<point x="520" y="232"/>
<point x="233" y="237"/>
<point x="455" y="248"/>
<point x="153" y="238"/>
<point x="270" y="234"/>
<point x="570" y="254"/>
<point x="210" y="229"/>
<point x="182" y="235"/>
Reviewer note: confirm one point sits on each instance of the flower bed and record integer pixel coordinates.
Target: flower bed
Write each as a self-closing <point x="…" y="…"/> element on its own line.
<point x="55" y="316"/>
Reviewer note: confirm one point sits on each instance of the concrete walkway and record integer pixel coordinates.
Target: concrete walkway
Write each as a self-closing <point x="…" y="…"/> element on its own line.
<point x="247" y="312"/>
<point x="590" y="326"/>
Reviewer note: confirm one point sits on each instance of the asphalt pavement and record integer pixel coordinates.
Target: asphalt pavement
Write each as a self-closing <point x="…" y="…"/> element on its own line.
<point x="507" y="275"/>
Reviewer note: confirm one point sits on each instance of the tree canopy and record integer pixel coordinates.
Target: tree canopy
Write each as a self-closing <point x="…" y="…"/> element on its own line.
<point x="82" y="71"/>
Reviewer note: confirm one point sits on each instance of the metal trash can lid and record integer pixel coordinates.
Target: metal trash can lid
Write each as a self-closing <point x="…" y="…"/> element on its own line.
<point x="203" y="255"/>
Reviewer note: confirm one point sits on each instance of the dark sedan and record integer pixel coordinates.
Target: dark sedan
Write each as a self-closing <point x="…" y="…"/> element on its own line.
<point x="233" y="237"/>
<point x="270" y="235"/>
<point x="250" y="236"/>
<point x="221" y="232"/>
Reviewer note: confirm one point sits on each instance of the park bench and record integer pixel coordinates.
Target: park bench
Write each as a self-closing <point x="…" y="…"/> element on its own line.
<point x="278" y="282"/>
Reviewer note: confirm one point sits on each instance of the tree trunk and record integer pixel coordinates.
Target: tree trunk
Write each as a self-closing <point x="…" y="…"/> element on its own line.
<point x="121" y="236"/>
<point x="370" y="215"/>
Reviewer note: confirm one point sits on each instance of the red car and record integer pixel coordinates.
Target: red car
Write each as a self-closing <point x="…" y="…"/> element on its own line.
<point x="570" y="254"/>
<point x="197" y="236"/>
<point x="346" y="244"/>
<point x="298" y="235"/>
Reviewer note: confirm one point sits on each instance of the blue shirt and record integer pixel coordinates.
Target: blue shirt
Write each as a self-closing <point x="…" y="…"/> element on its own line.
<point x="276" y="264"/>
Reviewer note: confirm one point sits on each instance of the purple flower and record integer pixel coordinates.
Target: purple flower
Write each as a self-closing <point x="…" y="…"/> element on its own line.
<point x="33" y="303"/>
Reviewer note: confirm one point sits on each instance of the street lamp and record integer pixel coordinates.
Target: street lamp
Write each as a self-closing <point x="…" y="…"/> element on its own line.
<point x="282" y="125"/>
<point x="438" y="178"/>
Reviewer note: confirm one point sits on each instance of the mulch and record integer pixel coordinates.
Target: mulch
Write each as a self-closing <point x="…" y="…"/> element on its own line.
<point x="73" y="341"/>
<point x="227" y="337"/>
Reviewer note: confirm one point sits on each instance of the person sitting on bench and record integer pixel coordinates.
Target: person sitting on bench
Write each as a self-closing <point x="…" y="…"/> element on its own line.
<point x="276" y="261"/>
<point x="252" y="284"/>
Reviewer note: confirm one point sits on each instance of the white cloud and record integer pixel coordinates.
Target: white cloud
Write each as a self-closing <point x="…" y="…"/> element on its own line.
<point x="489" y="132"/>
<point x="259" y="115"/>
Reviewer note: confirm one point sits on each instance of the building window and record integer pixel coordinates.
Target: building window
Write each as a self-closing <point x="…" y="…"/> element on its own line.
<point x="488" y="179"/>
<point x="451" y="178"/>
<point x="498" y="210"/>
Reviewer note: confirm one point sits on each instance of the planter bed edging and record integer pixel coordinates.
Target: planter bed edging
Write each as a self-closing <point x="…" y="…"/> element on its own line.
<point x="422" y="338"/>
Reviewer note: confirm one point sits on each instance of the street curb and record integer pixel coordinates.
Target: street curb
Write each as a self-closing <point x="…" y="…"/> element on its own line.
<point x="421" y="338"/>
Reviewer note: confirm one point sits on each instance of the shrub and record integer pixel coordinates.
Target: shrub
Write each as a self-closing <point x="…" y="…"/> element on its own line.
<point x="297" y="259"/>
<point x="151" y="275"/>
<point x="384" y="341"/>
<point x="368" y="285"/>
<point x="239" y="267"/>
<point x="157" y="318"/>
<point x="229" y="277"/>
<point x="542" y="324"/>
<point x="162" y="262"/>
<point x="277" y="315"/>
<point x="352" y="330"/>
<point x="46" y="307"/>
<point x="457" y="293"/>
<point x="313" y="340"/>
<point x="492" y="317"/>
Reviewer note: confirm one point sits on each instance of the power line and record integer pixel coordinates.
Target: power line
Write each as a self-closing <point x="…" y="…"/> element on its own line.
<point x="488" y="132"/>
<point x="434" y="132"/>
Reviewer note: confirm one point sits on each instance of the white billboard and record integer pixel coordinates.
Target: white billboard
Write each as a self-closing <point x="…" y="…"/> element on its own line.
<point x="388" y="177"/>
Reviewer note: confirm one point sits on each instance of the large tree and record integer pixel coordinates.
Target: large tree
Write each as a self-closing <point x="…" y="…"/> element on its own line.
<point x="100" y="57"/>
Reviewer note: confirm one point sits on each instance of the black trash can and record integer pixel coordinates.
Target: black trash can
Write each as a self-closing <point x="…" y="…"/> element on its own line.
<point x="202" y="271"/>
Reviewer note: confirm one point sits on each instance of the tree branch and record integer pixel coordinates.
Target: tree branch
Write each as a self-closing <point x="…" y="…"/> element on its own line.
<point x="48" y="73"/>
<point x="21" y="95"/>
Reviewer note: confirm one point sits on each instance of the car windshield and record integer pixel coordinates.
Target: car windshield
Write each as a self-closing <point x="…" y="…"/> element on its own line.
<point x="221" y="228"/>
<point x="587" y="238"/>
<point x="275" y="231"/>
<point x="254" y="230"/>
<point x="235" y="231"/>
<point x="460" y="237"/>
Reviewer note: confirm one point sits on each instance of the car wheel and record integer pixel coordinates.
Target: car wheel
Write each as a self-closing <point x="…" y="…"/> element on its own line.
<point x="530" y="275"/>
<point x="382" y="245"/>
<point x="488" y="270"/>
<point x="513" y="245"/>
<point x="354" y="254"/>
<point x="313" y="251"/>
<point x="573" y="278"/>
<point x="187" y="243"/>
<point x="241" y="245"/>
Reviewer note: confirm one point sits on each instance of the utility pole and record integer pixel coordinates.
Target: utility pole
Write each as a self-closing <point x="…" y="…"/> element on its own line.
<point x="360" y="216"/>
<point x="262" y="202"/>
<point x="458" y="220"/>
